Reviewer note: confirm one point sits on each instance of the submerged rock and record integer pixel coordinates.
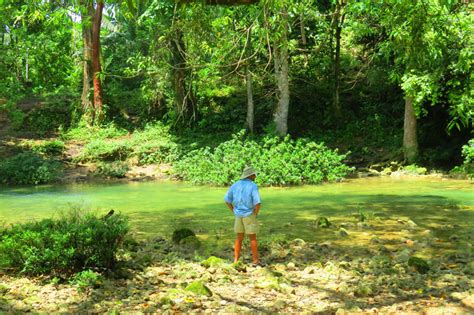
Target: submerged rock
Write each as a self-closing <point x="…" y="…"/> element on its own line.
<point x="419" y="264"/>
<point x="343" y="232"/>
<point x="323" y="222"/>
<point x="190" y="242"/>
<point x="181" y="234"/>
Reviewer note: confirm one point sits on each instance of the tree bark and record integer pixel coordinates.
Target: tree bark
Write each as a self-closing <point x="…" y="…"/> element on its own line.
<point x="87" y="108"/>
<point x="96" y="67"/>
<point x="338" y="21"/>
<point x="280" y="52"/>
<point x="410" y="142"/>
<point x="181" y="98"/>
<point x="304" y="41"/>
<point x="249" y="83"/>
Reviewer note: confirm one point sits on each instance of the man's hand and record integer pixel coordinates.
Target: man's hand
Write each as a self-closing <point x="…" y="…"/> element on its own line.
<point x="256" y="210"/>
<point x="230" y="206"/>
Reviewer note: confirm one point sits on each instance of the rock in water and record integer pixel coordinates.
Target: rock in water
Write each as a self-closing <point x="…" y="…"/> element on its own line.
<point x="419" y="264"/>
<point x="181" y="234"/>
<point x="197" y="287"/>
<point x="323" y="222"/>
<point x="190" y="242"/>
<point x="343" y="232"/>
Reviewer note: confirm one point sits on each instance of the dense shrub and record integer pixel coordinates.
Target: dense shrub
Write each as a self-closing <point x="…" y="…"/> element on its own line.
<point x="468" y="154"/>
<point x="150" y="145"/>
<point x="102" y="150"/>
<point x="49" y="117"/>
<point x="278" y="162"/>
<point x="53" y="147"/>
<point x="75" y="242"/>
<point x="29" y="168"/>
<point x="116" y="169"/>
<point x="86" y="133"/>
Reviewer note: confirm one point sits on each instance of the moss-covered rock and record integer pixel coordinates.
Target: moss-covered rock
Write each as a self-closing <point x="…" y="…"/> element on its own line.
<point x="199" y="288"/>
<point x="419" y="264"/>
<point x="212" y="261"/>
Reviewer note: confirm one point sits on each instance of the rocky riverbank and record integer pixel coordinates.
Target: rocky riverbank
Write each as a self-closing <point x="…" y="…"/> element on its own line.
<point x="160" y="276"/>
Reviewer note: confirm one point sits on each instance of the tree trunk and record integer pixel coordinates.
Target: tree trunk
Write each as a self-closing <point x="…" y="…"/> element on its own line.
<point x="304" y="41"/>
<point x="338" y="21"/>
<point x="410" y="142"/>
<point x="87" y="108"/>
<point x="96" y="68"/>
<point x="181" y="97"/>
<point x="280" y="52"/>
<point x="249" y="83"/>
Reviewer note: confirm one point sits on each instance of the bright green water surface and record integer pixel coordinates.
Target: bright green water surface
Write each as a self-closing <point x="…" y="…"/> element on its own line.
<point x="156" y="208"/>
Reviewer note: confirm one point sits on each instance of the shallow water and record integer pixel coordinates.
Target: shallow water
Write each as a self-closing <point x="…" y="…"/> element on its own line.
<point x="156" y="208"/>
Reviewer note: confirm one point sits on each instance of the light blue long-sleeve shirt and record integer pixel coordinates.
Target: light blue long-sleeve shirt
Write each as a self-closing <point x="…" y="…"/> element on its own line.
<point x="244" y="196"/>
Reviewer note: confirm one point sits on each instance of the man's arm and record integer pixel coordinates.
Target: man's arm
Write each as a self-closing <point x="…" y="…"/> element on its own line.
<point x="257" y="209"/>
<point x="230" y="206"/>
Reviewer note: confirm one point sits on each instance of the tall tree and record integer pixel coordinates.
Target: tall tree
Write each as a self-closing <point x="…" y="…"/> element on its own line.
<point x="183" y="98"/>
<point x="280" y="30"/>
<point x="249" y="83"/>
<point x="91" y="18"/>
<point x="337" y="23"/>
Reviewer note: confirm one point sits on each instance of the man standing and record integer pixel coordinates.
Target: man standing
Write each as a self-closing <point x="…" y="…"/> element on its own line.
<point x="243" y="200"/>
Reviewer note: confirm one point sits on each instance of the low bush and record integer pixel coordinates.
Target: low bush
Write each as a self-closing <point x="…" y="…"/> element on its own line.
<point x="53" y="147"/>
<point x="103" y="150"/>
<point x="116" y="169"/>
<point x="468" y="154"/>
<point x="87" y="279"/>
<point x="153" y="144"/>
<point x="77" y="241"/>
<point x="29" y="168"/>
<point x="278" y="162"/>
<point x="414" y="169"/>
<point x="85" y="133"/>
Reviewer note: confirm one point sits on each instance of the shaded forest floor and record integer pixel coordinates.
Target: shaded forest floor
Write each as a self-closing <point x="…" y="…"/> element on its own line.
<point x="342" y="276"/>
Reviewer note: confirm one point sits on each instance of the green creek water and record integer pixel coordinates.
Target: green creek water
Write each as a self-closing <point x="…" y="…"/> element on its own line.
<point x="155" y="208"/>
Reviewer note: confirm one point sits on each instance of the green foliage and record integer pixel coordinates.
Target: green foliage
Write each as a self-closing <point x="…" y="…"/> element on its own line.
<point x="87" y="279"/>
<point x="29" y="168"/>
<point x="53" y="114"/>
<point x="468" y="154"/>
<point x="116" y="169"/>
<point x="414" y="169"/>
<point x="51" y="148"/>
<point x="75" y="242"/>
<point x="278" y="162"/>
<point x="17" y="117"/>
<point x="101" y="150"/>
<point x="153" y="144"/>
<point x="85" y="133"/>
